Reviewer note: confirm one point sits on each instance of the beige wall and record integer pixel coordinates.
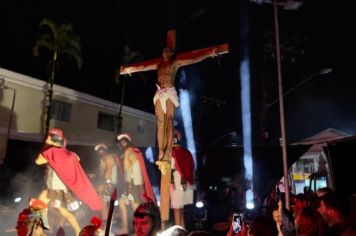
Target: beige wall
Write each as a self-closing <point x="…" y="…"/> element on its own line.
<point x="28" y="115"/>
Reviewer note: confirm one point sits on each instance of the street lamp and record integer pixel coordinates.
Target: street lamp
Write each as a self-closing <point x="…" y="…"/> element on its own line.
<point x="288" y="5"/>
<point x="281" y="106"/>
<point x="4" y="86"/>
<point x="310" y="77"/>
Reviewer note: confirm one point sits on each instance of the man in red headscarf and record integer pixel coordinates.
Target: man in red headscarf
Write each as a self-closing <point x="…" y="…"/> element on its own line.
<point x="65" y="175"/>
<point x="182" y="179"/>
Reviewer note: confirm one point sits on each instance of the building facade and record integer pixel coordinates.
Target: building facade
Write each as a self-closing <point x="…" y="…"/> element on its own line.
<point x="85" y="119"/>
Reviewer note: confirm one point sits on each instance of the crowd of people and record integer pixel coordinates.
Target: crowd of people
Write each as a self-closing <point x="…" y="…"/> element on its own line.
<point x="323" y="213"/>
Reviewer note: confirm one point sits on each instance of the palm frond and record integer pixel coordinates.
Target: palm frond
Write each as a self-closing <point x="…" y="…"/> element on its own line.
<point x="41" y="43"/>
<point x="61" y="39"/>
<point x="71" y="52"/>
<point x="51" y="25"/>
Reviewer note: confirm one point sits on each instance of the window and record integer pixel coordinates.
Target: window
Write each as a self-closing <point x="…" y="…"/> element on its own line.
<point x="108" y="122"/>
<point x="61" y="110"/>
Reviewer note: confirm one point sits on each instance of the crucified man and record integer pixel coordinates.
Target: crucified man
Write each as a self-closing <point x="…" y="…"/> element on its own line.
<point x="166" y="98"/>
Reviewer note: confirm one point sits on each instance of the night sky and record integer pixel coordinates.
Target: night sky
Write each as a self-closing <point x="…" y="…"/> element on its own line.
<point x="317" y="35"/>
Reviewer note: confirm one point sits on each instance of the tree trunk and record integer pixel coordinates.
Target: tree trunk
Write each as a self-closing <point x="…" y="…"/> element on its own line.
<point x="121" y="102"/>
<point x="50" y="92"/>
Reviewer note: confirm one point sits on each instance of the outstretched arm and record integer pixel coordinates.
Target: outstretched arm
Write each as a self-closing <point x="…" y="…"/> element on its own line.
<point x="201" y="54"/>
<point x="138" y="67"/>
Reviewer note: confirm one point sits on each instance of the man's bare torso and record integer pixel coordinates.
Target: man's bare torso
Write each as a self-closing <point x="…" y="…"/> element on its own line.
<point x="166" y="74"/>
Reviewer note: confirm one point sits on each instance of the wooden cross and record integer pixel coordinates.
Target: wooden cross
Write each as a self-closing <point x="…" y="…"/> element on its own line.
<point x="171" y="43"/>
<point x="151" y="65"/>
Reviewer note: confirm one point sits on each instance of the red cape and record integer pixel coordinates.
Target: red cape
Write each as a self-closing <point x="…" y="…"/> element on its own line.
<point x="66" y="164"/>
<point x="146" y="179"/>
<point x="184" y="163"/>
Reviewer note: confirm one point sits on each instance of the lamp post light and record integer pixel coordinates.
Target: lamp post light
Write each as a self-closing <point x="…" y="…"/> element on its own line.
<point x="323" y="71"/>
<point x="281" y="107"/>
<point x="3" y="86"/>
<point x="288" y="5"/>
<point x="281" y="95"/>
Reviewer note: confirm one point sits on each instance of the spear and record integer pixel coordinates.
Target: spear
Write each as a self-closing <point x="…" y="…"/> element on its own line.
<point x="111" y="210"/>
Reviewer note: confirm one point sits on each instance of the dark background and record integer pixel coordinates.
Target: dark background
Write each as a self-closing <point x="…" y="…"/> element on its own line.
<point x="317" y="35"/>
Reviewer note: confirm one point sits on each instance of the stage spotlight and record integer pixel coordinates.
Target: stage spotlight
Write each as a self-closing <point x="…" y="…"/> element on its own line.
<point x="173" y="230"/>
<point x="199" y="204"/>
<point x="200" y="213"/>
<point x="184" y="104"/>
<point x="250" y="205"/>
<point x="17" y="199"/>
<point x="249" y="199"/>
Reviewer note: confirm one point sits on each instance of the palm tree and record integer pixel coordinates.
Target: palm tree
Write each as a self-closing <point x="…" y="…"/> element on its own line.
<point x="59" y="41"/>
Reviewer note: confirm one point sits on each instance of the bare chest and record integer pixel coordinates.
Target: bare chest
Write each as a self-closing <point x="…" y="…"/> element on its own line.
<point x="166" y="73"/>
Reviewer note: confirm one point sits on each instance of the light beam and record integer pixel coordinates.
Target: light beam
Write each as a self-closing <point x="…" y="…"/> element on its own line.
<point x="187" y="122"/>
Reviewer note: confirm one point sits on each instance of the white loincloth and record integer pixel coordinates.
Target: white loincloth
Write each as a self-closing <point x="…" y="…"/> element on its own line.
<point x="179" y="197"/>
<point x="163" y="94"/>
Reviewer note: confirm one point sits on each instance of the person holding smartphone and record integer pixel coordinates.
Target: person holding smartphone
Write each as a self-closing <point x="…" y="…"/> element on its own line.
<point x="238" y="227"/>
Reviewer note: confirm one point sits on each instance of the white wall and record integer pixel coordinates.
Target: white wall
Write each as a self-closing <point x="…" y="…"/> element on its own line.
<point x="28" y="115"/>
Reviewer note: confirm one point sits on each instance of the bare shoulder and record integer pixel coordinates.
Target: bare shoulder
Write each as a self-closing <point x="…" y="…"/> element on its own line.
<point x="109" y="159"/>
<point x="178" y="62"/>
<point x="131" y="155"/>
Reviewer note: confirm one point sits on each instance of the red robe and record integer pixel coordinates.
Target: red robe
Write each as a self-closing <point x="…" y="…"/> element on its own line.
<point x="184" y="163"/>
<point x="148" y="187"/>
<point x="66" y="165"/>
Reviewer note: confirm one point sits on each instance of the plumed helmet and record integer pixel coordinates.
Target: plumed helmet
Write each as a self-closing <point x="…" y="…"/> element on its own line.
<point x="151" y="210"/>
<point x="56" y="136"/>
<point x="93" y="229"/>
<point x="88" y="230"/>
<point x="122" y="136"/>
<point x="96" y="221"/>
<point x="37" y="203"/>
<point x="55" y="132"/>
<point x="101" y="146"/>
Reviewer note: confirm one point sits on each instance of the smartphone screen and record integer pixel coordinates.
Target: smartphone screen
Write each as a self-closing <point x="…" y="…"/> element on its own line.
<point x="237" y="220"/>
